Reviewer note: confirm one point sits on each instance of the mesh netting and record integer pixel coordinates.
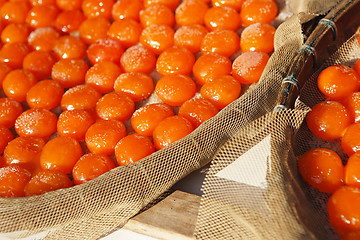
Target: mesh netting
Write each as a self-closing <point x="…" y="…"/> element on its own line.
<point x="244" y="207"/>
<point x="253" y="189"/>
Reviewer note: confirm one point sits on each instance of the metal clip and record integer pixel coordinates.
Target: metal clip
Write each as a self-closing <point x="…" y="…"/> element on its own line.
<point x="292" y="80"/>
<point x="331" y="25"/>
<point x="280" y="107"/>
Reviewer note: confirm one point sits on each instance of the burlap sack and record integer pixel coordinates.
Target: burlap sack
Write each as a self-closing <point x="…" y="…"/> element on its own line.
<point x="253" y="189"/>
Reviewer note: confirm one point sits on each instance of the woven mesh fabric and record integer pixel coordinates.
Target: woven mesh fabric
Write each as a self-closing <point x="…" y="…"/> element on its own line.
<point x="283" y="206"/>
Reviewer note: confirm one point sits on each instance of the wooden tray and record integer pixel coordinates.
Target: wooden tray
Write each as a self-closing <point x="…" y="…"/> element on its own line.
<point x="172" y="218"/>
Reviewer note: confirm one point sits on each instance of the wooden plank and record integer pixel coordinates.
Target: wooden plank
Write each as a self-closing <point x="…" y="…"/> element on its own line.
<point x="172" y="218"/>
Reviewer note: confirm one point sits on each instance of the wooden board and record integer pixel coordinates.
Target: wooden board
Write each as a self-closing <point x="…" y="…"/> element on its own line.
<point x="172" y="218"/>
